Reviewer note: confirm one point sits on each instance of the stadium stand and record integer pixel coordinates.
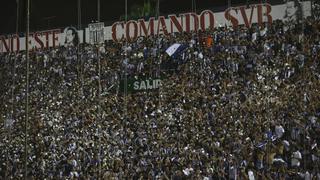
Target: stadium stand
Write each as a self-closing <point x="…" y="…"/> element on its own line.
<point x="236" y="104"/>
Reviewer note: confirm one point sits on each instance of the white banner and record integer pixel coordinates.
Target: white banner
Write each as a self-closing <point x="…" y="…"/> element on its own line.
<point x="186" y="22"/>
<point x="42" y="40"/>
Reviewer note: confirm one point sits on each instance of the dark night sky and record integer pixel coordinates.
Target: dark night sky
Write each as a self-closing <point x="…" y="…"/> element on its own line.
<point x="49" y="14"/>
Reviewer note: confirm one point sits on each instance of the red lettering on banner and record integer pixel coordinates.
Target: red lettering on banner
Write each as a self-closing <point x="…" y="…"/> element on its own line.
<point x="17" y="38"/>
<point x="47" y="33"/>
<point x="266" y="13"/>
<point x="132" y="29"/>
<point x="54" y="38"/>
<point x="188" y="21"/>
<point x="230" y="17"/>
<point x="260" y="19"/>
<point x="269" y="9"/>
<point x="5" y="43"/>
<point x="196" y="21"/>
<point x="244" y="15"/>
<point x="144" y="29"/>
<point x="187" y="17"/>
<point x="114" y="30"/>
<point x="177" y="24"/>
<point x="11" y="43"/>
<point x="162" y="24"/>
<point x="38" y="40"/>
<point x="128" y="30"/>
<point x="203" y="21"/>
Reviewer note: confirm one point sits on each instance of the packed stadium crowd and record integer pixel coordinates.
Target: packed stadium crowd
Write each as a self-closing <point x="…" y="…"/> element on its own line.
<point x="237" y="103"/>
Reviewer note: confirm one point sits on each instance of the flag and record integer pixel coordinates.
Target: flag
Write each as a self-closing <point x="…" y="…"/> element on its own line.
<point x="175" y="50"/>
